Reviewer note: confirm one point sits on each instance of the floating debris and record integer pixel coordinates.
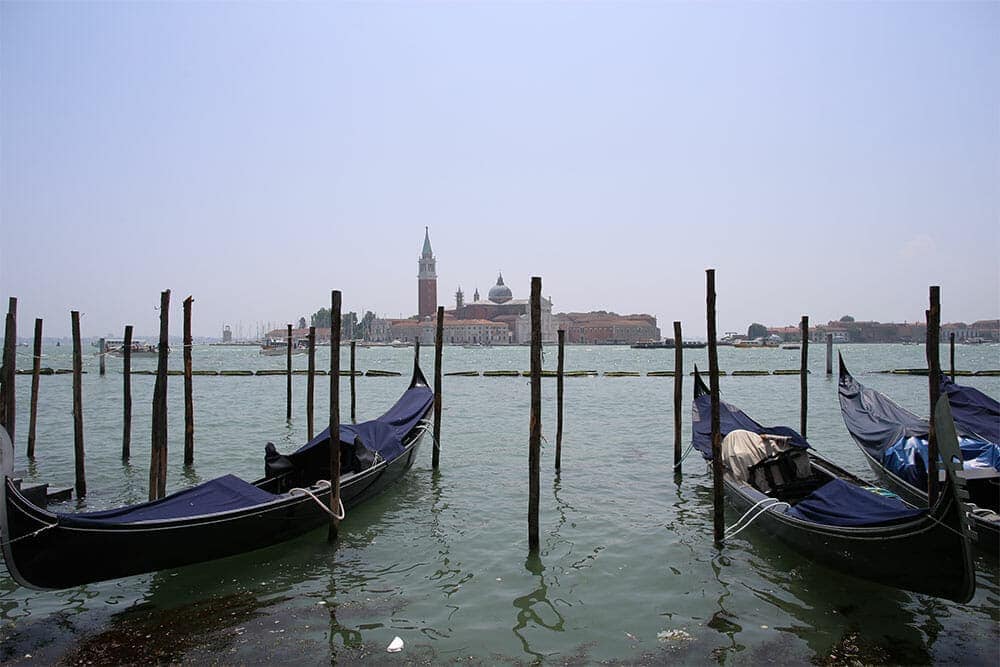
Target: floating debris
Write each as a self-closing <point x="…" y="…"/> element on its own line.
<point x="674" y="636"/>
<point x="395" y="646"/>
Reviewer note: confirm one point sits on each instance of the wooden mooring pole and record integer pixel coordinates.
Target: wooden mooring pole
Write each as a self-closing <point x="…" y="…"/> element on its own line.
<point x="560" y="374"/>
<point x="934" y="381"/>
<point x="8" y="393"/>
<point x="36" y="368"/>
<point x="158" y="449"/>
<point x="334" y="415"/>
<point x="311" y="382"/>
<point x="829" y="354"/>
<point x="127" y="394"/>
<point x="804" y="377"/>
<point x="188" y="387"/>
<point x="78" y="457"/>
<point x="535" y="421"/>
<point x="103" y="352"/>
<point x="719" y="510"/>
<point x="354" y="415"/>
<point x="678" y="398"/>
<point x="288" y="380"/>
<point x="951" y="344"/>
<point x="438" y="345"/>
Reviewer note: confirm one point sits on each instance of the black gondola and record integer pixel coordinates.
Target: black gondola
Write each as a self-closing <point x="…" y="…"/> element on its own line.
<point x="894" y="441"/>
<point x="222" y="517"/>
<point x="830" y="516"/>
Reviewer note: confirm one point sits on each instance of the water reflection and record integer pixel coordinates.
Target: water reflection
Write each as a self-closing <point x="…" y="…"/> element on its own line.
<point x="534" y="610"/>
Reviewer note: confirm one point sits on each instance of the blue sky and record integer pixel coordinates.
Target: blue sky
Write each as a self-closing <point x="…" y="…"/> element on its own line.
<point x="825" y="159"/>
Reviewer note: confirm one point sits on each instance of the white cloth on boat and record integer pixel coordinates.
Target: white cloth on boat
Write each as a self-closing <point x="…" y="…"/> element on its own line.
<point x="742" y="449"/>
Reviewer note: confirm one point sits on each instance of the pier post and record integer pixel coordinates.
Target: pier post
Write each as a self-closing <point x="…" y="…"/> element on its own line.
<point x="354" y="416"/>
<point x="934" y="381"/>
<point x="335" y="323"/>
<point x="158" y="449"/>
<point x="288" y="379"/>
<point x="438" y="345"/>
<point x="36" y="367"/>
<point x="804" y="376"/>
<point x="8" y="393"/>
<point x="127" y="394"/>
<point x="560" y="371"/>
<point x="101" y="345"/>
<point x="78" y="457"/>
<point x="951" y="344"/>
<point x="188" y="387"/>
<point x="829" y="354"/>
<point x="718" y="502"/>
<point x="311" y="383"/>
<point x="678" y="398"/>
<point x="535" y="422"/>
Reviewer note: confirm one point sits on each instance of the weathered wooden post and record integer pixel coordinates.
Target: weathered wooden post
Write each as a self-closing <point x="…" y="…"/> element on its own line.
<point x="8" y="393"/>
<point x="158" y="450"/>
<point x="438" y="345"/>
<point x="78" y="457"/>
<point x="334" y="415"/>
<point x="804" y="376"/>
<point x="102" y="346"/>
<point x="127" y="391"/>
<point x="535" y="422"/>
<point x="934" y="380"/>
<point x="311" y="382"/>
<point x="829" y="354"/>
<point x="288" y="378"/>
<point x="188" y="387"/>
<point x="719" y="510"/>
<point x="354" y="416"/>
<point x="36" y="367"/>
<point x="560" y="371"/>
<point x="678" y="399"/>
<point x="951" y="343"/>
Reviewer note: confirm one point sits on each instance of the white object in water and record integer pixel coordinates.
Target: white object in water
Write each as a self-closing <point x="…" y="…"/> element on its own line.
<point x="395" y="646"/>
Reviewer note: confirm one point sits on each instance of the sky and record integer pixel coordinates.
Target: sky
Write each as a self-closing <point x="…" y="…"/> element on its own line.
<point x="824" y="159"/>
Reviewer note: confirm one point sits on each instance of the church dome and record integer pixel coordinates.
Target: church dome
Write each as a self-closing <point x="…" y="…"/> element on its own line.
<point x="500" y="293"/>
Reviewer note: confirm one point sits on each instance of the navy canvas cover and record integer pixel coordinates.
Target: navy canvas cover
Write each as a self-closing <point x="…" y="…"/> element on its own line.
<point x="223" y="494"/>
<point x="973" y="411"/>
<point x="839" y="503"/>
<point x="731" y="418"/>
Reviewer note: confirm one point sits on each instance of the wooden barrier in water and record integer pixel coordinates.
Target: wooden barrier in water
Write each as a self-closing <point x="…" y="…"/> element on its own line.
<point x="535" y="420"/>
<point x="127" y="394"/>
<point x="334" y="424"/>
<point x="288" y="371"/>
<point x="8" y="393"/>
<point x="934" y="386"/>
<point x="354" y="416"/>
<point x="311" y="383"/>
<point x="951" y="345"/>
<point x="158" y="449"/>
<point x="560" y="363"/>
<point x="101" y="354"/>
<point x="718" y="514"/>
<point x="678" y="399"/>
<point x="78" y="453"/>
<point x="188" y="387"/>
<point x="829" y="354"/>
<point x="36" y="367"/>
<point x="438" y="343"/>
<point x="804" y="377"/>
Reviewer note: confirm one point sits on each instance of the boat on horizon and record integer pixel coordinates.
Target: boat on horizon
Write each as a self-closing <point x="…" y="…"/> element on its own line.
<point x="276" y="347"/>
<point x="219" y="518"/>
<point x="667" y="344"/>
<point x="784" y="487"/>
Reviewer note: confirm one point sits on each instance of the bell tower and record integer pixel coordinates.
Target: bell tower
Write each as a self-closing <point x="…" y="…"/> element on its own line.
<point x="427" y="280"/>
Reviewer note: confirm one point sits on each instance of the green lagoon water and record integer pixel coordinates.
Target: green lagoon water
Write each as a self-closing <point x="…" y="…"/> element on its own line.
<point x="627" y="570"/>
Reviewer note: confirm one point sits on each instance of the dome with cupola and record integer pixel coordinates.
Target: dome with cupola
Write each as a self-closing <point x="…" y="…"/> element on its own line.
<point x="500" y="293"/>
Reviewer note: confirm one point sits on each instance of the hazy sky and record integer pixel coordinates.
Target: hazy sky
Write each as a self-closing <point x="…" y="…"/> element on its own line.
<point x="826" y="159"/>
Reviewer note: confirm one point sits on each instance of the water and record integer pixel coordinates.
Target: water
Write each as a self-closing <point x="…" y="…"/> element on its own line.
<point x="626" y="572"/>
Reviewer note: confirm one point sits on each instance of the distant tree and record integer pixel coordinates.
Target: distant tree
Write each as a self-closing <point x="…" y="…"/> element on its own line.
<point x="756" y="330"/>
<point x="348" y="322"/>
<point x="302" y="323"/>
<point x="846" y="318"/>
<point x="321" y="318"/>
<point x="366" y="325"/>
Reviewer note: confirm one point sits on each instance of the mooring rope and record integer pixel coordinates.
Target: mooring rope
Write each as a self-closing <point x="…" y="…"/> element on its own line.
<point x="322" y="484"/>
<point x="733" y="531"/>
<point x="684" y="456"/>
<point x="32" y="534"/>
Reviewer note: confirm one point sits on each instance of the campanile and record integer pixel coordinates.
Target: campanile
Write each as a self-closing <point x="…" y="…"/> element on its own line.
<point x="427" y="300"/>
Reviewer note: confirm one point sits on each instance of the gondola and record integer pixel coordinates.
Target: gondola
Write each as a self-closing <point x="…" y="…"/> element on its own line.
<point x="894" y="441"/>
<point x="822" y="511"/>
<point x="221" y="517"/>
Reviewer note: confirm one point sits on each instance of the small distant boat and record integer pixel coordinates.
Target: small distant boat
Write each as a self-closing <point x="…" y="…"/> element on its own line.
<point x="139" y="348"/>
<point x="276" y="347"/>
<point x="894" y="441"/>
<point x="666" y="344"/>
<point x="833" y="517"/>
<point x="791" y="347"/>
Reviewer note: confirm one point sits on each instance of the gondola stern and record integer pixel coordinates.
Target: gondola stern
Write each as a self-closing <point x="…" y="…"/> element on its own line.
<point x="8" y="503"/>
<point x="418" y="376"/>
<point x="700" y="388"/>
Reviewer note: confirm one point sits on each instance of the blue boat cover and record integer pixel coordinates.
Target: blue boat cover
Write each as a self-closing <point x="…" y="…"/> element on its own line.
<point x="839" y="503"/>
<point x="223" y="494"/>
<point x="731" y="418"/>
<point x="907" y="459"/>
<point x="973" y="411"/>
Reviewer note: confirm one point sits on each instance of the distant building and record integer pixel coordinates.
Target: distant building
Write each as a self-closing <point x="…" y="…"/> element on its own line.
<point x="227" y="334"/>
<point x="427" y="280"/>
<point x="501" y="307"/>
<point x="605" y="328"/>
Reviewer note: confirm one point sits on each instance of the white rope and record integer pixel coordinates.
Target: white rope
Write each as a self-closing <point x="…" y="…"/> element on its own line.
<point x="32" y="534"/>
<point x="763" y="510"/>
<point x="684" y="456"/>
<point x="322" y="484"/>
